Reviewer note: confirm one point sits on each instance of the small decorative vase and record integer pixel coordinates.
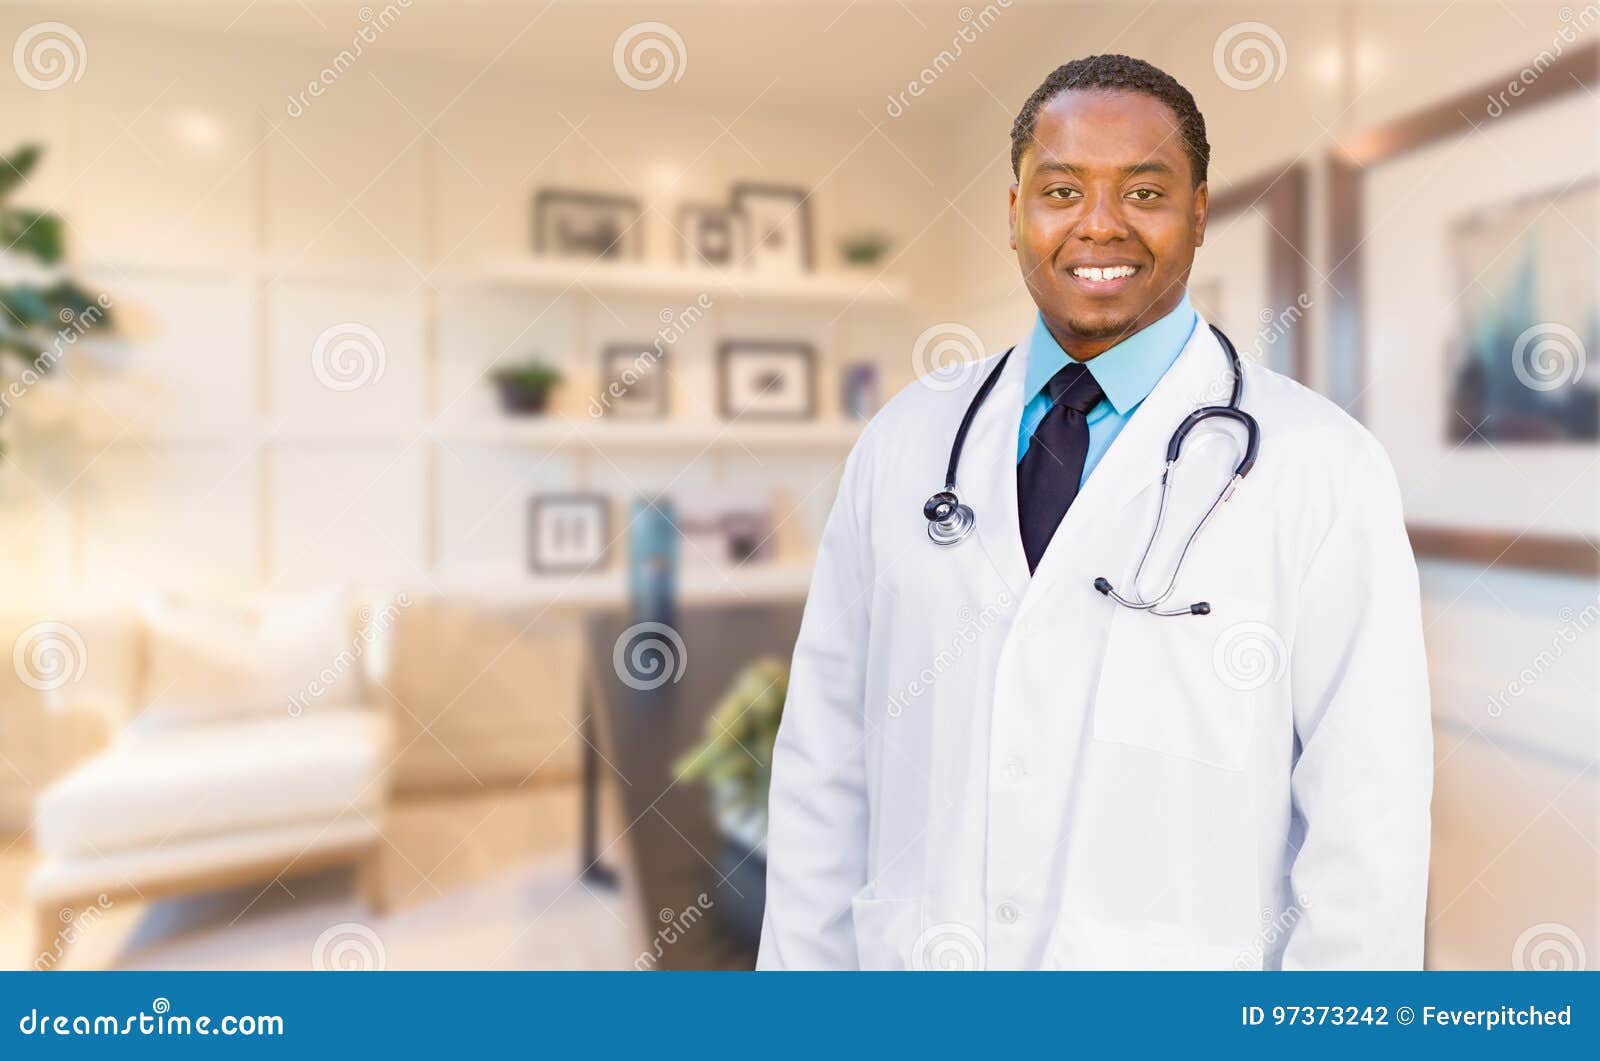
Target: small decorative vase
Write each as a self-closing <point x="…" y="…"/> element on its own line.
<point x="653" y="561"/>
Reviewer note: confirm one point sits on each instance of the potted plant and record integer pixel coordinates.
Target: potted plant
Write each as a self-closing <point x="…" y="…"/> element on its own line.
<point x="735" y="762"/>
<point x="525" y="388"/>
<point x="43" y="312"/>
<point x="864" y="248"/>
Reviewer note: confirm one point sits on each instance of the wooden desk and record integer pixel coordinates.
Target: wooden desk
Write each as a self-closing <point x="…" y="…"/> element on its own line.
<point x="635" y="735"/>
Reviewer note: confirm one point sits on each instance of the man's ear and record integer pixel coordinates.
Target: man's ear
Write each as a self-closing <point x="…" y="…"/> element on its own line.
<point x="1202" y="210"/>
<point x="1013" y="213"/>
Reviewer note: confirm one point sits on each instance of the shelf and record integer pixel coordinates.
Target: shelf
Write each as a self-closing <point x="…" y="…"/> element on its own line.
<point x="553" y="275"/>
<point x="696" y="585"/>
<point x="533" y="432"/>
<point x="640" y="278"/>
<point x="554" y="432"/>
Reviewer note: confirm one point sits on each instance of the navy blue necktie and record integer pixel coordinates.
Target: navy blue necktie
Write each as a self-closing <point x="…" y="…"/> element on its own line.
<point x="1050" y="470"/>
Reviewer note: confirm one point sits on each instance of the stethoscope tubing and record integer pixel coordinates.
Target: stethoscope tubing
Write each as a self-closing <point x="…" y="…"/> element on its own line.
<point x="950" y="521"/>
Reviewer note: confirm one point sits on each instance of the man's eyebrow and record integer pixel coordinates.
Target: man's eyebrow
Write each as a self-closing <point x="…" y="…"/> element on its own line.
<point x="1052" y="165"/>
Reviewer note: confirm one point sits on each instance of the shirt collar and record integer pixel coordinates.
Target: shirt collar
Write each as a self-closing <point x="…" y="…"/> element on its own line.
<point x="1126" y="372"/>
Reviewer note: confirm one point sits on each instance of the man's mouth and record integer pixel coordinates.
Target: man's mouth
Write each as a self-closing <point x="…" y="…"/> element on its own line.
<point x="1102" y="279"/>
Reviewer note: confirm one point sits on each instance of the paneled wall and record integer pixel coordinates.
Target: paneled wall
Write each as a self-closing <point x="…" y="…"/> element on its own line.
<point x="204" y="451"/>
<point x="199" y="450"/>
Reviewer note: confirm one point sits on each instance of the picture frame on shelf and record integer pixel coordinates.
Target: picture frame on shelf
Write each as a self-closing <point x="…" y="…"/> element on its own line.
<point x="713" y="235"/>
<point x="633" y="381"/>
<point x="777" y="222"/>
<point x="568" y="532"/>
<point x="579" y="224"/>
<point x="766" y="380"/>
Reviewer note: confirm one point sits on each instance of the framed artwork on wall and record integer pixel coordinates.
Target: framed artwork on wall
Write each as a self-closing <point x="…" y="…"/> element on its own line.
<point x="568" y="532"/>
<point x="633" y="381"/>
<point x="777" y="222"/>
<point x="712" y="235"/>
<point x="578" y="224"/>
<point x="1463" y="311"/>
<point x="765" y="380"/>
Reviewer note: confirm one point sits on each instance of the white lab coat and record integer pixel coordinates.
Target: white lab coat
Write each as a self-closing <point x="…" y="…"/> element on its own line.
<point x="979" y="768"/>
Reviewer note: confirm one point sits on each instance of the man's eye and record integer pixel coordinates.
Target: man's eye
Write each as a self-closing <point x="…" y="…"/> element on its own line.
<point x="1144" y="195"/>
<point x="1061" y="193"/>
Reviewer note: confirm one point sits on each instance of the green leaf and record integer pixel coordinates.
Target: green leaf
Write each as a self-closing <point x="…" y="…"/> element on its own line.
<point x="26" y="306"/>
<point x="33" y="234"/>
<point x="86" y="313"/>
<point x="15" y="168"/>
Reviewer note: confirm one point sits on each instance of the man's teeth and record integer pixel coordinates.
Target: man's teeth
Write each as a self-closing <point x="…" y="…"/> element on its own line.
<point x="1114" y="273"/>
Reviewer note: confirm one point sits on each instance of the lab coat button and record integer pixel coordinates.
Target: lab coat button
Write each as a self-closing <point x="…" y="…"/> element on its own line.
<point x="1015" y="771"/>
<point x="1007" y="913"/>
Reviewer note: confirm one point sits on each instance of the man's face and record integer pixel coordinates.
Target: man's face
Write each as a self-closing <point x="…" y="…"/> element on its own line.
<point x="1105" y="185"/>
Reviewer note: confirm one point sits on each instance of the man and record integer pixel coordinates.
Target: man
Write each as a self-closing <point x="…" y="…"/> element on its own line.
<point x="985" y="760"/>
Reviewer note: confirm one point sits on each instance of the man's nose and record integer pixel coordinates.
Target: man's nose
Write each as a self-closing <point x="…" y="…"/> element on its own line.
<point x="1102" y="218"/>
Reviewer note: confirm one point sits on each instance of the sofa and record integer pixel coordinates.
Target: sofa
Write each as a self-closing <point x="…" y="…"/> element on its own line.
<point x="270" y="735"/>
<point x="250" y="743"/>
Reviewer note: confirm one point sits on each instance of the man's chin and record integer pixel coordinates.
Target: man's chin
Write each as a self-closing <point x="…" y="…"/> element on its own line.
<point x="1101" y="326"/>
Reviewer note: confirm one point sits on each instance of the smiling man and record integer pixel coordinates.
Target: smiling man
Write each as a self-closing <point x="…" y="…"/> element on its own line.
<point x="1017" y="736"/>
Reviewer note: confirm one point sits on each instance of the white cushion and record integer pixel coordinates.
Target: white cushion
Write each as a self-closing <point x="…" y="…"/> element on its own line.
<point x="74" y="877"/>
<point x="155" y="786"/>
<point x="272" y="654"/>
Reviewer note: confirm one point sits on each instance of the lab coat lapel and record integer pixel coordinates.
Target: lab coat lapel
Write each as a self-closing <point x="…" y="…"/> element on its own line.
<point x="1138" y="454"/>
<point x="987" y="477"/>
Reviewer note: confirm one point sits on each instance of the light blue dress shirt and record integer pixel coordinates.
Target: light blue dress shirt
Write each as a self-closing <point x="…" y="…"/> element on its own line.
<point x="1126" y="372"/>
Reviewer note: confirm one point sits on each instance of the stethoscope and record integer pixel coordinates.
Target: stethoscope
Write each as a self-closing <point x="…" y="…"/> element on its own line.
<point x="950" y="521"/>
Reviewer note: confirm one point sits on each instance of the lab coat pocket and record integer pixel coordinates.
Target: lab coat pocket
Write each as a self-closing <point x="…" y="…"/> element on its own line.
<point x="1191" y="686"/>
<point x="885" y="931"/>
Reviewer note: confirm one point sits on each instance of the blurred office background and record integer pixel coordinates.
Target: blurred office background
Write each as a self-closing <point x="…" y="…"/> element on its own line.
<point x="404" y="355"/>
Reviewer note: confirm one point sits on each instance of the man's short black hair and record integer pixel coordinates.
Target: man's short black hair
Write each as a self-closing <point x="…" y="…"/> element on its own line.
<point x="1124" y="73"/>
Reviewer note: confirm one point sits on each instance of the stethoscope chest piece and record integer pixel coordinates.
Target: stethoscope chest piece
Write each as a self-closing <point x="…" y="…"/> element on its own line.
<point x="949" y="520"/>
